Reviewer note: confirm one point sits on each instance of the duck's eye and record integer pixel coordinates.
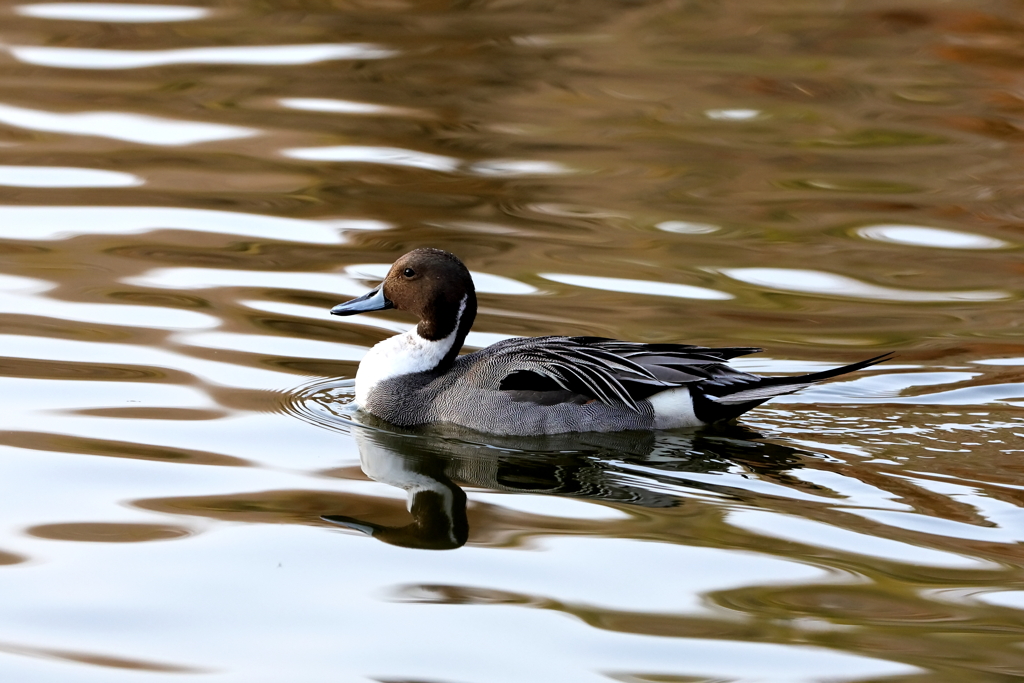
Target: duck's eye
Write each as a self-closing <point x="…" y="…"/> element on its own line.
<point x="408" y="272"/>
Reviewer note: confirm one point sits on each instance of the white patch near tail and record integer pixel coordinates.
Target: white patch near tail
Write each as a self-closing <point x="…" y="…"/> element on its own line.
<point x="402" y="354"/>
<point x="673" y="409"/>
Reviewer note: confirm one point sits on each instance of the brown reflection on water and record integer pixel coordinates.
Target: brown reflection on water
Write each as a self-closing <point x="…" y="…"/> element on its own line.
<point x="871" y="621"/>
<point x="60" y="443"/>
<point x="108" y="532"/>
<point x="97" y="659"/>
<point x="7" y="558"/>
<point x="490" y="525"/>
<point x="154" y="413"/>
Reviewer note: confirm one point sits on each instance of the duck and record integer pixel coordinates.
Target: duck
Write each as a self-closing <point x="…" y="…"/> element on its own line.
<point x="525" y="386"/>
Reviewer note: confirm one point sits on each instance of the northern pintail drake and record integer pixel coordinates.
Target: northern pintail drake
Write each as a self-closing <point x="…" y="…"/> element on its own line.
<point x="540" y="385"/>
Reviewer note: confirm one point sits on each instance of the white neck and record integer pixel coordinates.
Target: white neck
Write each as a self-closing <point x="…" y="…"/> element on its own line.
<point x="402" y="354"/>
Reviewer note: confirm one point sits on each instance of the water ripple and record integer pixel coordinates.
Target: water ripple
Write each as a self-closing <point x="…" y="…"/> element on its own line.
<point x="26" y="302"/>
<point x="687" y="227"/>
<point x="611" y="284"/>
<point x="518" y="167"/>
<point x="940" y="238"/>
<point x="330" y="106"/>
<point x="138" y="128"/>
<point x="207" y="278"/>
<point x="733" y="114"/>
<point x="62" y="222"/>
<point x="109" y="532"/>
<point x="392" y="156"/>
<point x="821" y="535"/>
<point x="130" y="362"/>
<point x="60" y="176"/>
<point x="254" y="55"/>
<point x="111" y="12"/>
<point x="830" y="284"/>
<point x="105" y="660"/>
<point x="266" y="345"/>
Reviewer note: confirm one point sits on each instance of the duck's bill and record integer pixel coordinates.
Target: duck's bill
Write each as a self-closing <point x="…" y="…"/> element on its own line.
<point x="371" y="301"/>
<point x="351" y="523"/>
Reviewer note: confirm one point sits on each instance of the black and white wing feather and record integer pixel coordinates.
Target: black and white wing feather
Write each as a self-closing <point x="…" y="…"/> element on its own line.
<point x="606" y="370"/>
<point x="581" y="369"/>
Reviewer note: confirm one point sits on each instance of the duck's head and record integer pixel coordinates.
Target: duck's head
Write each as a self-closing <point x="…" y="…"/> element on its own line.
<point x="431" y="284"/>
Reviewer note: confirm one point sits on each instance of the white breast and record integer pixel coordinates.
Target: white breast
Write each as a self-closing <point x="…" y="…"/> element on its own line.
<point x="402" y="354"/>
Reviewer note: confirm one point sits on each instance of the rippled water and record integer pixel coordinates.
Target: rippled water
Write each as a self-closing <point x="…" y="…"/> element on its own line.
<point x="186" y="191"/>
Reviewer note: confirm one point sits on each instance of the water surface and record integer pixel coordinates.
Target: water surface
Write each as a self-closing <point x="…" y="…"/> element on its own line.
<point x="185" y="191"/>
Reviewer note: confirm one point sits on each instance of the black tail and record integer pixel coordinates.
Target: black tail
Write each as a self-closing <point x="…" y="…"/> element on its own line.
<point x="732" y="401"/>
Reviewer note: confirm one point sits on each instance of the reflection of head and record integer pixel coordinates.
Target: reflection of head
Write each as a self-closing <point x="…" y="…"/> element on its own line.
<point x="437" y="504"/>
<point x="439" y="522"/>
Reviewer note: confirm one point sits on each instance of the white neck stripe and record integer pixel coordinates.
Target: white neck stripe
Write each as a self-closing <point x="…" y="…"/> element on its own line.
<point x="403" y="354"/>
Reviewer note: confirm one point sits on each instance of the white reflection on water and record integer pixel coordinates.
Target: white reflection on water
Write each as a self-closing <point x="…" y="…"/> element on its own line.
<point x="597" y="571"/>
<point x="612" y="284"/>
<point x="324" y="574"/>
<point x="940" y="238"/>
<point x="878" y="388"/>
<point x="821" y="535"/>
<point x="548" y="506"/>
<point x="344" y="107"/>
<point x="140" y="128"/>
<point x="207" y="278"/>
<point x="1011" y="599"/>
<point x="61" y="176"/>
<point x="256" y="55"/>
<point x="518" y="167"/>
<point x="89" y="395"/>
<point x="397" y="156"/>
<point x="61" y="222"/>
<point x="484" y="282"/>
<point x="830" y="284"/>
<point x="24" y="300"/>
<point x="734" y="478"/>
<point x="947" y="528"/>
<point x="858" y="494"/>
<point x="687" y="228"/>
<point x="274" y="345"/>
<point x="732" y="114"/>
<point x="888" y="388"/>
<point x="14" y="283"/>
<point x="128" y="355"/>
<point x="111" y="12"/>
<point x="393" y="156"/>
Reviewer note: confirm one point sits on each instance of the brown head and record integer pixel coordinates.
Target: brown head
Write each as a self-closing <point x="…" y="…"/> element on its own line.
<point x="431" y="284"/>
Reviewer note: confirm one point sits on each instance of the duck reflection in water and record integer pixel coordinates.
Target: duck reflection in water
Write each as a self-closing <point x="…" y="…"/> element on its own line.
<point x="432" y="464"/>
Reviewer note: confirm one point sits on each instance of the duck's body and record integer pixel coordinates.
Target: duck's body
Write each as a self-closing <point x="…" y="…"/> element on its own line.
<point x="540" y="385"/>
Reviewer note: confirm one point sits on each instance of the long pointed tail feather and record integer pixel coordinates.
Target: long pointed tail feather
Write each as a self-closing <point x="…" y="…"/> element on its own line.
<point x="710" y="408"/>
<point x="770" y="387"/>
